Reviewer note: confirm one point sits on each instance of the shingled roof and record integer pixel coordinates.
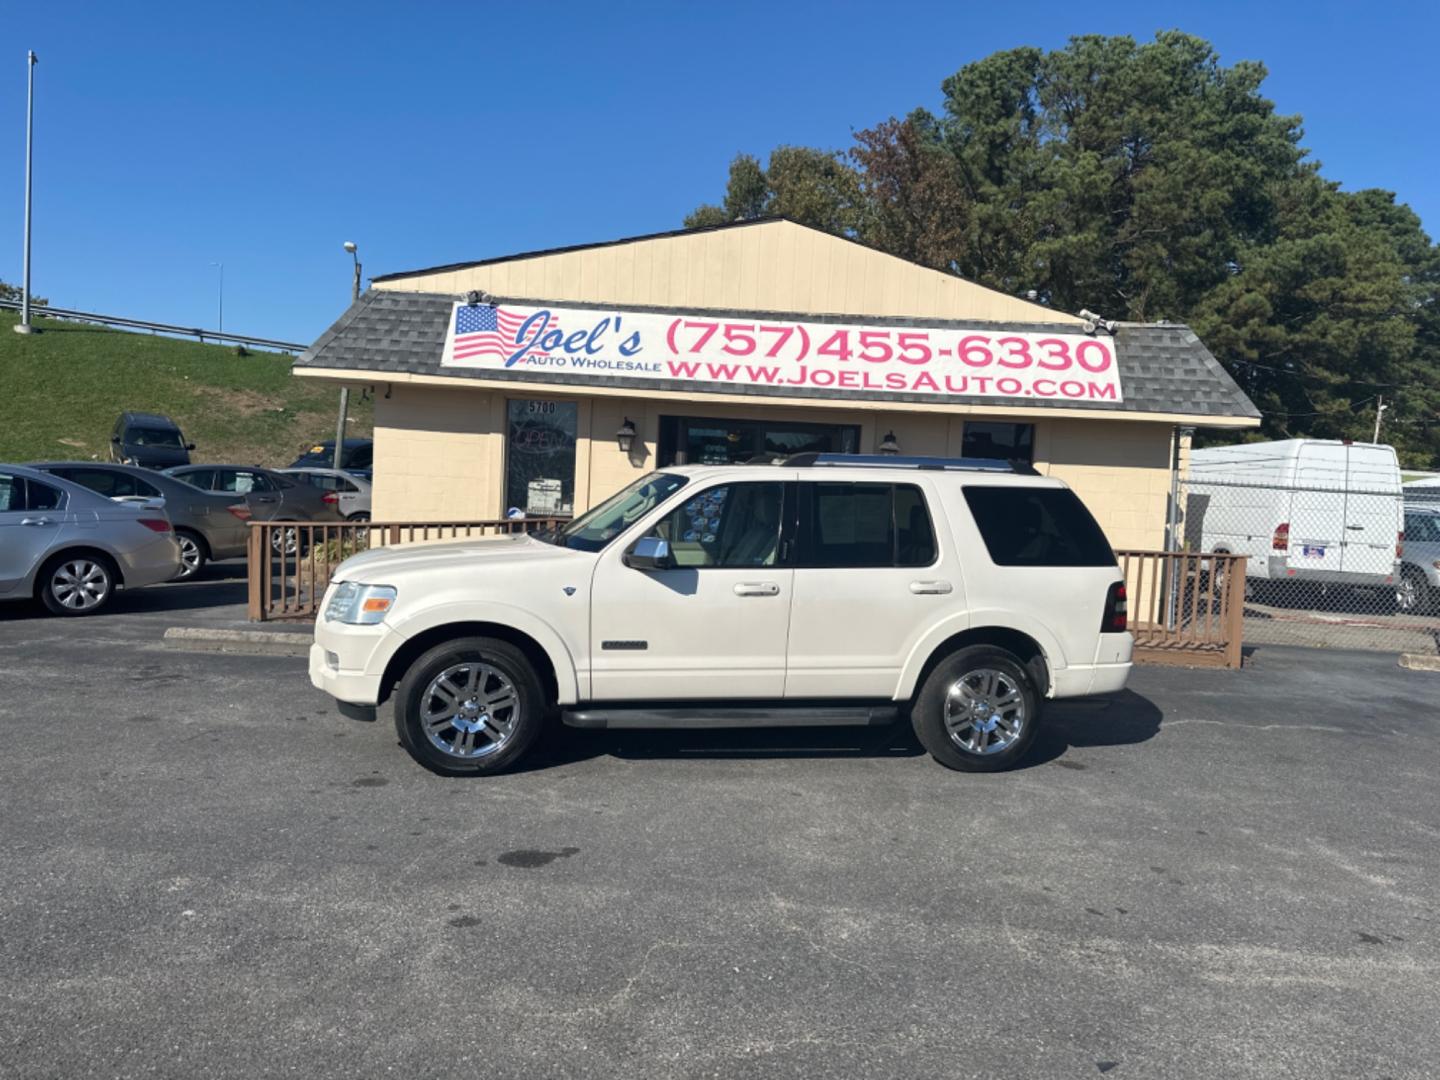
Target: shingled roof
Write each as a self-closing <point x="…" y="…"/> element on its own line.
<point x="1164" y="367"/>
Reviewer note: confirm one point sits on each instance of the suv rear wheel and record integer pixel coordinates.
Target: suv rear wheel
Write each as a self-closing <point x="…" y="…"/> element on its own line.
<point x="978" y="711"/>
<point x="469" y="706"/>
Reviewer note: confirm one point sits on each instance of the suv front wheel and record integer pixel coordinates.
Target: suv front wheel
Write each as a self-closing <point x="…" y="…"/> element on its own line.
<point x="473" y="705"/>
<point x="978" y="711"/>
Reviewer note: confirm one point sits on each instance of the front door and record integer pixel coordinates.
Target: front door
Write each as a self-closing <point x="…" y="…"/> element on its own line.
<point x="712" y="625"/>
<point x="30" y="521"/>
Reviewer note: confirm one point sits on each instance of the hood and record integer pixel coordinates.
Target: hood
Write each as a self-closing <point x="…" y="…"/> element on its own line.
<point x="379" y="565"/>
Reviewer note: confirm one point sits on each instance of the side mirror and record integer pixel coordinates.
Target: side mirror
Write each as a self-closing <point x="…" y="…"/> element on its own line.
<point x="189" y="446"/>
<point x="649" y="553"/>
<point x="115" y="439"/>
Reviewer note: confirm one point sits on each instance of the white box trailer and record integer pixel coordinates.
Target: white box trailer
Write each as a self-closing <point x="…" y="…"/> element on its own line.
<point x="1316" y="510"/>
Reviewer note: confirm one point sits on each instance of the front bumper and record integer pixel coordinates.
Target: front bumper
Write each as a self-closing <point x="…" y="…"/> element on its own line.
<point x="348" y="662"/>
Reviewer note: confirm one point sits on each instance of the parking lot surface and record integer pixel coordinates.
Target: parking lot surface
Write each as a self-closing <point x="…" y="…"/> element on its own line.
<point x="208" y="872"/>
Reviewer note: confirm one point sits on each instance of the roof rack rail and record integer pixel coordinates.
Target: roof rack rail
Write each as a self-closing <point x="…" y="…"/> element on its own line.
<point x="898" y="461"/>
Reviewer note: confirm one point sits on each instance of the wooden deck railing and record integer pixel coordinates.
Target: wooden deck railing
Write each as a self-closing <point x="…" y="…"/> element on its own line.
<point x="1185" y="607"/>
<point x="290" y="562"/>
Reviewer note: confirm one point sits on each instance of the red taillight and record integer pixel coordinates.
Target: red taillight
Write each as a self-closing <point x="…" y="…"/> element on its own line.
<point x="1281" y="540"/>
<point x="240" y="510"/>
<point x="156" y="524"/>
<point x="330" y="498"/>
<point x="1116" y="610"/>
<point x="1399" y="545"/>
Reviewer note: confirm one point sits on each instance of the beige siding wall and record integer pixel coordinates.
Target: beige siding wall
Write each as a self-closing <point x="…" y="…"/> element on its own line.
<point x="442" y="454"/>
<point x="771" y="266"/>
<point x="1121" y="470"/>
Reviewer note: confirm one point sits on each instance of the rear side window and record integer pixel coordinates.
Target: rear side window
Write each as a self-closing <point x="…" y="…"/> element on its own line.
<point x="864" y="525"/>
<point x="1024" y="526"/>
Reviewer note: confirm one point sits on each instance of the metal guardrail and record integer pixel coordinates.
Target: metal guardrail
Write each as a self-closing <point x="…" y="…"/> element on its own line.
<point x="49" y="312"/>
<point x="1186" y="608"/>
<point x="290" y="562"/>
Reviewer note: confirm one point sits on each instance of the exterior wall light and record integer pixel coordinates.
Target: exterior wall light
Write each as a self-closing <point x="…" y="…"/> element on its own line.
<point x="888" y="445"/>
<point x="625" y="437"/>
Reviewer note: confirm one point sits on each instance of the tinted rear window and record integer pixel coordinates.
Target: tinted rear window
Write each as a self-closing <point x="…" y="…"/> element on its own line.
<point x="1024" y="526"/>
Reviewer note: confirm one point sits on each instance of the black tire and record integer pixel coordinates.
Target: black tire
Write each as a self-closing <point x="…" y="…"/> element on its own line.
<point x="928" y="713"/>
<point x="416" y="695"/>
<point x="191" y="542"/>
<point x="360" y="516"/>
<point x="1412" y="593"/>
<point x="62" y="569"/>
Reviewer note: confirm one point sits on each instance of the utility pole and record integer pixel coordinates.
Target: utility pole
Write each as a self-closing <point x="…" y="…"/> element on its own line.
<point x="345" y="390"/>
<point x="221" y="326"/>
<point x="1380" y="408"/>
<point x="23" y="326"/>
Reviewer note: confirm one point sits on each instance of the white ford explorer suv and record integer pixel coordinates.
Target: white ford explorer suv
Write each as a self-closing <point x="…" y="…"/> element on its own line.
<point x="824" y="589"/>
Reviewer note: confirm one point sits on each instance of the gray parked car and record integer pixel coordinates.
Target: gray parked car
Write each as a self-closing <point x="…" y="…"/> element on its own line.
<point x="352" y="490"/>
<point x="270" y="495"/>
<point x="72" y="548"/>
<point x="1419" y="586"/>
<point x="208" y="525"/>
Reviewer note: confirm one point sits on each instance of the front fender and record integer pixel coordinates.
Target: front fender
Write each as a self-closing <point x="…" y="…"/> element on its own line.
<point x="976" y="620"/>
<point x="470" y="611"/>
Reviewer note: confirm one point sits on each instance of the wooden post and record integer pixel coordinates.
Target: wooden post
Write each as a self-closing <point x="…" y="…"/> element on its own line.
<point x="253" y="560"/>
<point x="1235" y="609"/>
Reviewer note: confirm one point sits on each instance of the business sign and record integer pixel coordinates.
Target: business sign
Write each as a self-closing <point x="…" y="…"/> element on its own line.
<point x="729" y="353"/>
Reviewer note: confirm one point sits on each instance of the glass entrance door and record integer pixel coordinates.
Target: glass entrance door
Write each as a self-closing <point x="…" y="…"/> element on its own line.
<point x="696" y="440"/>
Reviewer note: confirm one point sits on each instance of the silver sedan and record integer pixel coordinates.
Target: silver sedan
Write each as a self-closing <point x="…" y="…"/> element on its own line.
<point x="72" y="548"/>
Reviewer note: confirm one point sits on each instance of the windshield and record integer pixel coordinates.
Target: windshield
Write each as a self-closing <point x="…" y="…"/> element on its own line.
<point x="594" y="529"/>
<point x="144" y="436"/>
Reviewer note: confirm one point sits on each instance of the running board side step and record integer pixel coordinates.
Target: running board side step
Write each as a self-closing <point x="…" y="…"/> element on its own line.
<point x="719" y="716"/>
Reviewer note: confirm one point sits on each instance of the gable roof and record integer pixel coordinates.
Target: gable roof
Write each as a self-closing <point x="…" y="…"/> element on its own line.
<point x="1164" y="367"/>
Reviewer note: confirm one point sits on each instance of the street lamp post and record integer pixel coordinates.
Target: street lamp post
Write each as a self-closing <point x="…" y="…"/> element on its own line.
<point x="23" y="326"/>
<point x="345" y="390"/>
<point x="221" y="326"/>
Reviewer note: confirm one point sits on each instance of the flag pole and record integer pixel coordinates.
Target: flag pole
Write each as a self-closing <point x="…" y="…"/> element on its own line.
<point x="23" y="326"/>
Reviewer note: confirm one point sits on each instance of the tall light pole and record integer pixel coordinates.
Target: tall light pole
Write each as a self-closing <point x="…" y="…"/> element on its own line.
<point x="221" y="265"/>
<point x="345" y="390"/>
<point x="23" y="326"/>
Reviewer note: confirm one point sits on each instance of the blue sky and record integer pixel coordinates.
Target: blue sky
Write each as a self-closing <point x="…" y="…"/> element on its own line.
<point x="170" y="137"/>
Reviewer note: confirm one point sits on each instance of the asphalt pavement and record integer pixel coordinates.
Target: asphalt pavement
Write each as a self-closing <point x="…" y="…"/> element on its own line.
<point x="205" y="871"/>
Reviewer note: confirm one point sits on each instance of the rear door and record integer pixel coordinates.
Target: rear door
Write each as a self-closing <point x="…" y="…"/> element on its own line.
<point x="1374" y="513"/>
<point x="869" y="580"/>
<point x="30" y="523"/>
<point x="1317" y="509"/>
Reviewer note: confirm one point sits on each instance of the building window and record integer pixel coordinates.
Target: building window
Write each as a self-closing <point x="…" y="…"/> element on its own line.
<point x="540" y="457"/>
<point x="999" y="442"/>
<point x="688" y="440"/>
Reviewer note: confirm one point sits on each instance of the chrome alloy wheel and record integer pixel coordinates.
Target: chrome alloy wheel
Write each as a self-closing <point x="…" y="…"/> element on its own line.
<point x="1408" y="592"/>
<point x="469" y="710"/>
<point x="984" y="711"/>
<point x="285" y="541"/>
<point x="80" y="584"/>
<point x="189" y="556"/>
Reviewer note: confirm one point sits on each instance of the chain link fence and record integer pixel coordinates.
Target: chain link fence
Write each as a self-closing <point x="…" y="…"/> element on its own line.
<point x="1352" y="567"/>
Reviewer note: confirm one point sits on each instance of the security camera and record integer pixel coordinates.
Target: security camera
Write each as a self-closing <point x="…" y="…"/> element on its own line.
<point x="1094" y="322"/>
<point x="476" y="297"/>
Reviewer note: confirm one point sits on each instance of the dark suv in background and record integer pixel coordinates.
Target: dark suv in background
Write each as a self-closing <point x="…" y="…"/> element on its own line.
<point x="356" y="457"/>
<point x="149" y="440"/>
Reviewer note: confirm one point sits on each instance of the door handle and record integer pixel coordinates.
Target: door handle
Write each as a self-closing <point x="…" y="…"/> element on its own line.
<point x="1355" y="526"/>
<point x="757" y="588"/>
<point x="35" y="521"/>
<point x="930" y="588"/>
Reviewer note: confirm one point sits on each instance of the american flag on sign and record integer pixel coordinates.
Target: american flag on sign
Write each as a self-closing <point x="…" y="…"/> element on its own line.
<point x="489" y="331"/>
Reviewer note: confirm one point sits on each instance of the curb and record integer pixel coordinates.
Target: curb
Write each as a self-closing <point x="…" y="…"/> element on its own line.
<point x="250" y="642"/>
<point x="1417" y="662"/>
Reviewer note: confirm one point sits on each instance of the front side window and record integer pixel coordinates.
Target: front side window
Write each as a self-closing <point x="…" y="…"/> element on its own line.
<point x="594" y="529"/>
<point x="864" y="525"/>
<point x="1422" y="528"/>
<point x="998" y="442"/>
<point x="734" y="525"/>
<point x="1037" y="527"/>
<point x="361" y="457"/>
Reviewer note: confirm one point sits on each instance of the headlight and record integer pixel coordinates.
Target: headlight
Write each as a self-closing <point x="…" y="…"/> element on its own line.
<point x="359" y="605"/>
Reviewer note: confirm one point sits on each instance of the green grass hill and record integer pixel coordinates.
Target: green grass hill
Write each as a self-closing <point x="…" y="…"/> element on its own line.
<point x="61" y="390"/>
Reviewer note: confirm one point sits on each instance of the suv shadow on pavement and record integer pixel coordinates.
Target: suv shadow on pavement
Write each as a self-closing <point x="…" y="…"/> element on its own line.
<point x="1119" y="719"/>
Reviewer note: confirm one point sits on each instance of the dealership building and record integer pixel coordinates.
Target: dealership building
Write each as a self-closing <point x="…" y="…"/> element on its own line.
<point x="545" y="381"/>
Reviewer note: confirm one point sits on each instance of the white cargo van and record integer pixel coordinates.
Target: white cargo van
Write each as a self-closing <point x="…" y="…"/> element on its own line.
<point x="1306" y="510"/>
